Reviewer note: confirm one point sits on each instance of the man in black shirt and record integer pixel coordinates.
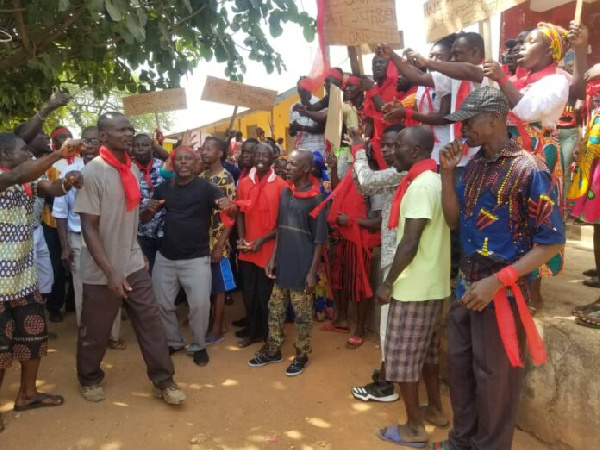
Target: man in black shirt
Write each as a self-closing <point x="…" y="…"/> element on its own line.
<point x="183" y="260"/>
<point x="298" y="247"/>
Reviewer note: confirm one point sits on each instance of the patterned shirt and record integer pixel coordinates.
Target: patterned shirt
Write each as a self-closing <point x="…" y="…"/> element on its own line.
<point x="18" y="275"/>
<point x="154" y="228"/>
<point x="225" y="182"/>
<point x="506" y="206"/>
<point x="382" y="182"/>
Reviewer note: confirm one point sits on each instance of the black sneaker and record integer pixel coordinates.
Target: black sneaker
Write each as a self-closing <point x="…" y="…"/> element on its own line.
<point x="55" y="316"/>
<point x="297" y="366"/>
<point x="173" y="350"/>
<point x="378" y="391"/>
<point x="201" y="357"/>
<point x="241" y="323"/>
<point x="265" y="358"/>
<point x="244" y="332"/>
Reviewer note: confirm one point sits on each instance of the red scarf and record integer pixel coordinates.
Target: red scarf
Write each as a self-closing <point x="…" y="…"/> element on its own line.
<point x="256" y="190"/>
<point x="387" y="92"/>
<point x="312" y="192"/>
<point x="416" y="170"/>
<point x="427" y="97"/>
<point x="229" y="221"/>
<point x="244" y="173"/>
<point x="506" y="321"/>
<point x="521" y="80"/>
<point x="464" y="89"/>
<point x="321" y="64"/>
<point x="146" y="173"/>
<point x="26" y="186"/>
<point x="130" y="184"/>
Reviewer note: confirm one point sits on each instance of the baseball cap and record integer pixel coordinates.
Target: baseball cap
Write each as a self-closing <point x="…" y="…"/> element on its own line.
<point x="483" y="99"/>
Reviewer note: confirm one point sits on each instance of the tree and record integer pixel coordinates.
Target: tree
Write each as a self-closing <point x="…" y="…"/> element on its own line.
<point x="84" y="109"/>
<point x="130" y="45"/>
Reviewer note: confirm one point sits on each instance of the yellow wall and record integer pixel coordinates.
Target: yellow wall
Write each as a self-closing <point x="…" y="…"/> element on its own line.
<point x="247" y="121"/>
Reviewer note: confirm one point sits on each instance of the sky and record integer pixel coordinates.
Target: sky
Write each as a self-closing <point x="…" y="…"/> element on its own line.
<point x="297" y="55"/>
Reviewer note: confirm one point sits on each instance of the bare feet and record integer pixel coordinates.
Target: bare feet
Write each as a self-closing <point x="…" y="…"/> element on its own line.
<point x="581" y="310"/>
<point x="412" y="433"/>
<point x="434" y="416"/>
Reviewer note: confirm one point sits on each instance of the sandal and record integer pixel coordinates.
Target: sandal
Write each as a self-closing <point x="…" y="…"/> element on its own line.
<point x="579" y="311"/>
<point x="119" y="344"/>
<point x="331" y="327"/>
<point x="354" y="342"/>
<point x="443" y="445"/>
<point x="591" y="272"/>
<point x="392" y="435"/>
<point x="592" y="282"/>
<point x="40" y="402"/>
<point x="210" y="340"/>
<point x="589" y="319"/>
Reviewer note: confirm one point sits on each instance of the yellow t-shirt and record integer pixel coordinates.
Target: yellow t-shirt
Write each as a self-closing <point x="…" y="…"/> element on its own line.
<point x="427" y="277"/>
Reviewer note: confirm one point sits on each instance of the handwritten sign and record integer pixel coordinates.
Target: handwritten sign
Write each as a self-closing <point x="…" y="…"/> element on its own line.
<point x="444" y="17"/>
<point x="355" y="22"/>
<point x="333" y="126"/>
<point x="154" y="102"/>
<point x="238" y="94"/>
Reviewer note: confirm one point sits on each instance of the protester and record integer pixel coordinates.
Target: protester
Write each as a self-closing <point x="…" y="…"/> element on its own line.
<point x="112" y="266"/>
<point x="538" y="96"/>
<point x="222" y="276"/>
<point x="308" y="134"/>
<point x="280" y="167"/>
<point x="68" y="224"/>
<point x="294" y="263"/>
<point x="257" y="225"/>
<point x="246" y="161"/>
<point x="416" y="285"/>
<point x="23" y="332"/>
<point x="183" y="260"/>
<point x="383" y="182"/>
<point x="149" y="234"/>
<point x="506" y="234"/>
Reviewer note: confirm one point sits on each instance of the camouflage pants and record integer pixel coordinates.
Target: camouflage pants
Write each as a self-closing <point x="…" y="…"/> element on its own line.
<point x="302" y="304"/>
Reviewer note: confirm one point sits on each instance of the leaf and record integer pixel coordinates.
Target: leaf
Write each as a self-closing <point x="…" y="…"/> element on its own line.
<point x="309" y="33"/>
<point x="113" y="11"/>
<point x="142" y="17"/>
<point x="275" y="25"/>
<point x="134" y="27"/>
<point x="243" y="5"/>
<point x="63" y="5"/>
<point x="188" y="5"/>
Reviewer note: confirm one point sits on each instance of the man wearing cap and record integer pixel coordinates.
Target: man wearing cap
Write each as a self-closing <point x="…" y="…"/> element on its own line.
<point x="505" y="209"/>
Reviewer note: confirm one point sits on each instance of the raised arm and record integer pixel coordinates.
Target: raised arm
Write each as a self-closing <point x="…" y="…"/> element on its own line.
<point x="578" y="36"/>
<point x="450" y="156"/>
<point x="456" y="70"/>
<point x="408" y="71"/>
<point x="373" y="181"/>
<point x="34" y="125"/>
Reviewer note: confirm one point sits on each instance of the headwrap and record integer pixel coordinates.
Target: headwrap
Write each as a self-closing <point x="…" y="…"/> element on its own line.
<point x="354" y="80"/>
<point x="592" y="90"/>
<point x="558" y="39"/>
<point x="130" y="184"/>
<point x="319" y="163"/>
<point x="70" y="159"/>
<point x="334" y="73"/>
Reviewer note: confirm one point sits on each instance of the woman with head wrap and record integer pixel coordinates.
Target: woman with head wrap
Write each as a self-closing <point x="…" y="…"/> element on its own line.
<point x="538" y="93"/>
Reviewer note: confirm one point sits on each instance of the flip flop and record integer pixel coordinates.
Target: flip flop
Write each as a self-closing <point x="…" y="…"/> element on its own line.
<point x="39" y="402"/>
<point x="443" y="445"/>
<point x="392" y="435"/>
<point x="438" y="423"/>
<point x="214" y="339"/>
<point x="331" y="327"/>
<point x="592" y="282"/>
<point x="117" y="345"/>
<point x="582" y="322"/>
<point x="354" y="342"/>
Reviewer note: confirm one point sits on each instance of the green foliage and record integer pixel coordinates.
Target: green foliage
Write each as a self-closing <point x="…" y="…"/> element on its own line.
<point x="130" y="45"/>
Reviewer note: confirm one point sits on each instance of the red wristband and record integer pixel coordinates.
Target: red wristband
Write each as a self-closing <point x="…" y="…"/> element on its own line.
<point x="409" y="114"/>
<point x="503" y="80"/>
<point x="508" y="276"/>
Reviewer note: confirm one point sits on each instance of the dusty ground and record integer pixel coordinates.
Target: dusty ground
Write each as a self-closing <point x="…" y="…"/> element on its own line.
<point x="230" y="405"/>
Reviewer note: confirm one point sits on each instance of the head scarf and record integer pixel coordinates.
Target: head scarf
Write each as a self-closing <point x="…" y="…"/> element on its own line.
<point x="558" y="39"/>
<point x="354" y="80"/>
<point x="319" y="163"/>
<point x="334" y="73"/>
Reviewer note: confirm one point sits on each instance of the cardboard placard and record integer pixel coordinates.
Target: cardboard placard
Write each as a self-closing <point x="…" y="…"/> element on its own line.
<point x="355" y="22"/>
<point x="333" y="126"/>
<point x="238" y="94"/>
<point x="155" y="102"/>
<point x="444" y="17"/>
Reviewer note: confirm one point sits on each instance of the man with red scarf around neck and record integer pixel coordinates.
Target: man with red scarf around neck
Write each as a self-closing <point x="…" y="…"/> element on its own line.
<point x="256" y="226"/>
<point x="537" y="95"/>
<point x="112" y="266"/>
<point x="416" y="285"/>
<point x="298" y="246"/>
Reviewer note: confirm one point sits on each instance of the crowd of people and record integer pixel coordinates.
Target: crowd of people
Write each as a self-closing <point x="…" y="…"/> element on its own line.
<point x="453" y="181"/>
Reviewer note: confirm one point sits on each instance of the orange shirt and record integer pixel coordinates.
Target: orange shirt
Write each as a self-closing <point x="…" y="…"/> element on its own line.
<point x="261" y="218"/>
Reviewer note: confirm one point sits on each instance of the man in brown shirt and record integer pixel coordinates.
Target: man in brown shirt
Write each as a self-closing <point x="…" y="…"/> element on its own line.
<point x="112" y="266"/>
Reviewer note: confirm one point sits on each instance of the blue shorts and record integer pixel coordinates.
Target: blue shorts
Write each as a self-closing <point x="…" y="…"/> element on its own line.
<point x="222" y="277"/>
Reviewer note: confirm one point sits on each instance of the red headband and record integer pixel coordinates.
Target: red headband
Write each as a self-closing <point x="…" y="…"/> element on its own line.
<point x="58" y="131"/>
<point x="179" y="149"/>
<point x="334" y="73"/>
<point x="353" y="80"/>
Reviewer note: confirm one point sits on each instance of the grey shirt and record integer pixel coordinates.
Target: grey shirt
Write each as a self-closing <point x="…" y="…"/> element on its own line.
<point x="103" y="195"/>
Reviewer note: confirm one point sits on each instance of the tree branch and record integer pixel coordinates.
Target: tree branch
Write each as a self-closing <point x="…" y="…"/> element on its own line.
<point x="18" y="10"/>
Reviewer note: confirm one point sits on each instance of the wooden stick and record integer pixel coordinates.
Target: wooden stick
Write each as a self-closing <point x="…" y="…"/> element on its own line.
<point x="235" y="109"/>
<point x="578" y="10"/>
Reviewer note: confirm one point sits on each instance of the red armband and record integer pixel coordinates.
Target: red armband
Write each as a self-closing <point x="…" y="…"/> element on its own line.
<point x="508" y="276"/>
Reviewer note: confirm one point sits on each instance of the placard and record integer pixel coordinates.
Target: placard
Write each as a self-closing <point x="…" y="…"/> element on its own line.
<point x="155" y="102"/>
<point x="355" y="22"/>
<point x="333" y="126"/>
<point x="444" y="17"/>
<point x="238" y="94"/>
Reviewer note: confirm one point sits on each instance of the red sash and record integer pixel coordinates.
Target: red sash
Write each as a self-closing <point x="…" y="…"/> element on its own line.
<point x="130" y="185"/>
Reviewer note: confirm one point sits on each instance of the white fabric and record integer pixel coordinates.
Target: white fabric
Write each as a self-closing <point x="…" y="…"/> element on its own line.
<point x="544" y="101"/>
<point x="308" y="141"/>
<point x="445" y="85"/>
<point x="42" y="261"/>
<point x="63" y="206"/>
<point x="442" y="132"/>
<point x="383" y="320"/>
<point x="254" y="178"/>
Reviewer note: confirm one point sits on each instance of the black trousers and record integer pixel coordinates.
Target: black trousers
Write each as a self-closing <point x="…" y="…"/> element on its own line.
<point x="56" y="299"/>
<point x="257" y="290"/>
<point x="149" y="248"/>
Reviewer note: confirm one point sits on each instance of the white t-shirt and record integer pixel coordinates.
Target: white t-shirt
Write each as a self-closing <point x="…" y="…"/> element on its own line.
<point x="442" y="132"/>
<point x="544" y="101"/>
<point x="304" y="139"/>
<point x="445" y="85"/>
